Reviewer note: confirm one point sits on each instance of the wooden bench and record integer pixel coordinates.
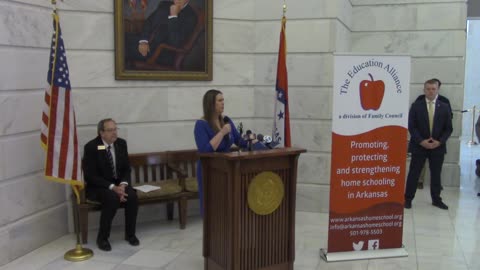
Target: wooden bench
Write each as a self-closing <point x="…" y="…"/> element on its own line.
<point x="173" y="171"/>
<point x="185" y="162"/>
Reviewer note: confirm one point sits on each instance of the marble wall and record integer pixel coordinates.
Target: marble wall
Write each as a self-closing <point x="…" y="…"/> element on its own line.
<point x="33" y="211"/>
<point x="156" y="115"/>
<point x="437" y="47"/>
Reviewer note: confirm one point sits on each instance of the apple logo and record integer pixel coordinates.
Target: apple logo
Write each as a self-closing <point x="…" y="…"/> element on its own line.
<point x="371" y="93"/>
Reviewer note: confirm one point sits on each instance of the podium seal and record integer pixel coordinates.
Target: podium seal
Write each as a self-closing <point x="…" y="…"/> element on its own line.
<point x="265" y="193"/>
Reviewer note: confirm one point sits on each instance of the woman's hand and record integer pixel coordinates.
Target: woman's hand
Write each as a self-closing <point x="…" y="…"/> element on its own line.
<point x="143" y="48"/>
<point x="226" y="129"/>
<point x="217" y="139"/>
<point x="175" y="9"/>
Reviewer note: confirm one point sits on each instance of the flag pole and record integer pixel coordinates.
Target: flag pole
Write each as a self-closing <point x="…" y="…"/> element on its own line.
<point x="79" y="253"/>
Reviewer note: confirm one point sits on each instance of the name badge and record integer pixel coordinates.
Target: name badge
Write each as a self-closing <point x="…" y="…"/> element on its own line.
<point x="101" y="147"/>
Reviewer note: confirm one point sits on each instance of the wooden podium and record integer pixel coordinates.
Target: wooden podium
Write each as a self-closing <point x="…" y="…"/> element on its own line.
<point x="234" y="236"/>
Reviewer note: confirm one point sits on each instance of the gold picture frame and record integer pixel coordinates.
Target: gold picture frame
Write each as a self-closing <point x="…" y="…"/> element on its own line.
<point x="182" y="54"/>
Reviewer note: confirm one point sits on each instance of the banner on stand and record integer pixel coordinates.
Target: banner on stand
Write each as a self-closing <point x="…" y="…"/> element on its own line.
<point x="369" y="151"/>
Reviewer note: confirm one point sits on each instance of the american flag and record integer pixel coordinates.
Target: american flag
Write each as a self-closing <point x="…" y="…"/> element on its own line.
<point x="281" y="123"/>
<point x="59" y="131"/>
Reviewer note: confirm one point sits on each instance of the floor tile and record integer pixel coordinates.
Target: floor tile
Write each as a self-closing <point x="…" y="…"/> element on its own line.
<point x="151" y="258"/>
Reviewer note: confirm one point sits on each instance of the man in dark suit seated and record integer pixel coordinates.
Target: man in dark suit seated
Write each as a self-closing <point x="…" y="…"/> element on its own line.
<point x="171" y="23"/>
<point x="430" y="126"/>
<point x="107" y="174"/>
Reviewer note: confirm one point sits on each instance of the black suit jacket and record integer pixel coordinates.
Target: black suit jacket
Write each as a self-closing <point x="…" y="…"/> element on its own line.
<point x="96" y="167"/>
<point x="158" y="28"/>
<point x="443" y="99"/>
<point x="419" y="128"/>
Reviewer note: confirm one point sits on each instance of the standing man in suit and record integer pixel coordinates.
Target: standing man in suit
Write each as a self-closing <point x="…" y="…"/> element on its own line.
<point x="171" y="24"/>
<point x="430" y="126"/>
<point x="107" y="174"/>
<point x="445" y="100"/>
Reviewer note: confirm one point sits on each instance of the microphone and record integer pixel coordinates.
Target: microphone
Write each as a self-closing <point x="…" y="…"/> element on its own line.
<point x="266" y="140"/>
<point x="226" y="120"/>
<point x="464" y="111"/>
<point x="249" y="140"/>
<point x="240" y="128"/>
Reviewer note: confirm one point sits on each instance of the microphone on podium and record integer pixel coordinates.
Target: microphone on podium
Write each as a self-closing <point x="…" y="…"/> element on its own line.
<point x="240" y="128"/>
<point x="248" y="139"/>
<point x="265" y="140"/>
<point x="226" y="120"/>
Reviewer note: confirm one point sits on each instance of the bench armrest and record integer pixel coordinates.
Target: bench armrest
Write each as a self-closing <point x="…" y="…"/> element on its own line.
<point x="181" y="174"/>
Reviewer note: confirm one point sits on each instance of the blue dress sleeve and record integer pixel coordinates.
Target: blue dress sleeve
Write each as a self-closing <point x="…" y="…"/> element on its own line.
<point x="203" y="134"/>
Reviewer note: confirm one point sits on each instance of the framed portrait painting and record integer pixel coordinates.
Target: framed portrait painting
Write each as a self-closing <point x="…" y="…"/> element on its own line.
<point x="163" y="39"/>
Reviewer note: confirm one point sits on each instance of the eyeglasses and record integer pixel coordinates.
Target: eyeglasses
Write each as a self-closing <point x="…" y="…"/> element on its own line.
<point x="111" y="129"/>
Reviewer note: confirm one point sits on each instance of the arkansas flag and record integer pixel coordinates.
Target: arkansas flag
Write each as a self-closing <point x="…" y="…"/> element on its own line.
<point x="281" y="123"/>
<point x="58" y="131"/>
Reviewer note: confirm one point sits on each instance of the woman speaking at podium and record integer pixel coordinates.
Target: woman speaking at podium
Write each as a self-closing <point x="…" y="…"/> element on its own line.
<point x="214" y="132"/>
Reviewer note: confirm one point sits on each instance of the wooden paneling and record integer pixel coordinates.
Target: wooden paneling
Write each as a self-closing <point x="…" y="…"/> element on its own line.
<point x="235" y="237"/>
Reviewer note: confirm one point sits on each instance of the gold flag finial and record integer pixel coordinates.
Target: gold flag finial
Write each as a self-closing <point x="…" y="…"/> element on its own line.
<point x="54" y="5"/>
<point x="284" y="8"/>
<point x="54" y="2"/>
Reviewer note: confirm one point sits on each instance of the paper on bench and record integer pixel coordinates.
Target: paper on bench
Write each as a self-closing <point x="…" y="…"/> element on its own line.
<point x="146" y="188"/>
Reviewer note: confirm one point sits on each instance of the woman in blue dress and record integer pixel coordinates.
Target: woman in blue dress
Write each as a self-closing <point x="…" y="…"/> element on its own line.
<point x="214" y="132"/>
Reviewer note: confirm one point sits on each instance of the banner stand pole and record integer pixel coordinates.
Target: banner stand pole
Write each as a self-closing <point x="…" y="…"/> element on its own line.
<point x="363" y="254"/>
<point x="472" y="140"/>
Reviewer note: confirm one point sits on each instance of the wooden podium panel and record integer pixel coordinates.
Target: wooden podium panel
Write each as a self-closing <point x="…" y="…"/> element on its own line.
<point x="234" y="237"/>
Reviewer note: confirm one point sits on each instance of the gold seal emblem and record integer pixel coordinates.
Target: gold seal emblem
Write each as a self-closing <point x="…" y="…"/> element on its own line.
<point x="265" y="193"/>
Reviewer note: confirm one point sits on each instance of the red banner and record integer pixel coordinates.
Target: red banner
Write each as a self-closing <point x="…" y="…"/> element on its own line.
<point x="366" y="190"/>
